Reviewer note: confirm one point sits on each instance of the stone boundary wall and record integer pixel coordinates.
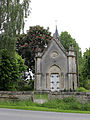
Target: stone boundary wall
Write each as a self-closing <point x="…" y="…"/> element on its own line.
<point x="23" y="95"/>
<point x="14" y="95"/>
<point x="81" y="96"/>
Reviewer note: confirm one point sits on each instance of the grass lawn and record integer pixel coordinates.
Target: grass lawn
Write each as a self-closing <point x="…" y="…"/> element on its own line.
<point x="43" y="109"/>
<point x="70" y="105"/>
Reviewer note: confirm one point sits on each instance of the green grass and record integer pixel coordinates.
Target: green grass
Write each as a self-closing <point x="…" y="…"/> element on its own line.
<point x="82" y="89"/>
<point x="70" y="105"/>
<point x="40" y="96"/>
<point x="43" y="109"/>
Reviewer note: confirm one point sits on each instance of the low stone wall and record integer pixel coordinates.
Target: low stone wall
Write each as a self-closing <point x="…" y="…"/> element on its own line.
<point x="13" y="95"/>
<point x="81" y="96"/>
<point x="23" y="95"/>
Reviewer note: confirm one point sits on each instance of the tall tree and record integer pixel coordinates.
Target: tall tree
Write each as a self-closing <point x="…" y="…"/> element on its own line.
<point x="86" y="69"/>
<point x="67" y="41"/>
<point x="10" y="71"/>
<point x="12" y="14"/>
<point x="27" y="44"/>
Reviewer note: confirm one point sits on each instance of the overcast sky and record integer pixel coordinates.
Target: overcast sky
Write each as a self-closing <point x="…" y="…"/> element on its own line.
<point x="72" y="16"/>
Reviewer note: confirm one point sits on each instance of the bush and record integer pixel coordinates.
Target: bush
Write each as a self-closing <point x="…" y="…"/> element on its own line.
<point x="11" y="69"/>
<point x="69" y="103"/>
<point x="82" y="89"/>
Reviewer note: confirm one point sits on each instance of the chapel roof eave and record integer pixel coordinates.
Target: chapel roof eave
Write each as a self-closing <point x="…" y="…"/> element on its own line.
<point x="57" y="41"/>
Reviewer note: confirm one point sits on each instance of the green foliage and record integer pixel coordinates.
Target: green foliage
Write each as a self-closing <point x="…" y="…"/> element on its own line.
<point x="26" y="86"/>
<point x="67" y="41"/>
<point x="11" y="69"/>
<point x="84" y="62"/>
<point x="65" y="105"/>
<point x="40" y="96"/>
<point x="82" y="89"/>
<point x="8" y="43"/>
<point x="12" y="14"/>
<point x="27" y="44"/>
<point x="86" y="69"/>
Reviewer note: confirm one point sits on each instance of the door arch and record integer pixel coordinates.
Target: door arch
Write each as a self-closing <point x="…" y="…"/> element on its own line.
<point x="55" y="79"/>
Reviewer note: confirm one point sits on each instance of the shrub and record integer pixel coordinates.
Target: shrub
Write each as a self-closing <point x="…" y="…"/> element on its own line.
<point x="10" y="70"/>
<point x="82" y="89"/>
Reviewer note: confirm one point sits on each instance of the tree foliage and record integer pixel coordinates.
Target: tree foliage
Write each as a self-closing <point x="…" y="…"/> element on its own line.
<point x="12" y="14"/>
<point x="67" y="41"/>
<point x="10" y="71"/>
<point x="86" y="69"/>
<point x="27" y="44"/>
<point x="8" y="43"/>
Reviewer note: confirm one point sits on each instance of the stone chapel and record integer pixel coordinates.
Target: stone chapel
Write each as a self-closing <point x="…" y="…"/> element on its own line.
<point x="55" y="69"/>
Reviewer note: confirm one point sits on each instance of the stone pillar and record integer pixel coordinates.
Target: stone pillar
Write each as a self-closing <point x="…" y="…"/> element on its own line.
<point x="72" y="80"/>
<point x="37" y="84"/>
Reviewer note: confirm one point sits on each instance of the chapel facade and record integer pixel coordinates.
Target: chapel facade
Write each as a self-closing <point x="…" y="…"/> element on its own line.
<point x="55" y="69"/>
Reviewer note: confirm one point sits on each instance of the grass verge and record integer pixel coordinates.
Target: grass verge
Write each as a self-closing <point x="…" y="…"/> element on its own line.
<point x="68" y="105"/>
<point x="43" y="109"/>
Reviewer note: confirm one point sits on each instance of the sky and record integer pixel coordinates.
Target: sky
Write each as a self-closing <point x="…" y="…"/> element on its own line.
<point x="72" y="16"/>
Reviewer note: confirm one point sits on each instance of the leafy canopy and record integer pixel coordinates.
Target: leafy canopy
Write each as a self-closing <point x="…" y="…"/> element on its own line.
<point x="67" y="41"/>
<point x="12" y="14"/>
<point x="27" y="44"/>
<point x="86" y="69"/>
<point x="10" y="70"/>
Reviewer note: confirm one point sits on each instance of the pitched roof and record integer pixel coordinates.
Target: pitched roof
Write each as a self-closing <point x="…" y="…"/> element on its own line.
<point x="57" y="41"/>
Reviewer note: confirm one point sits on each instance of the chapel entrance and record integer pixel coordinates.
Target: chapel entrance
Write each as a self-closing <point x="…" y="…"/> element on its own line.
<point x="55" y="82"/>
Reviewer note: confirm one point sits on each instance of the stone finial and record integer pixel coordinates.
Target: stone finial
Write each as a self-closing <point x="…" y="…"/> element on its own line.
<point x="38" y="51"/>
<point x="71" y="48"/>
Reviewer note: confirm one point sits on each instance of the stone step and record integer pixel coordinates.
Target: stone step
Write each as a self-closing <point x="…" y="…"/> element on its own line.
<point x="41" y="101"/>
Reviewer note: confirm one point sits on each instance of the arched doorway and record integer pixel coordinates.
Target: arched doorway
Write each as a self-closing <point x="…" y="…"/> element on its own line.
<point x="55" y="82"/>
<point x="55" y="79"/>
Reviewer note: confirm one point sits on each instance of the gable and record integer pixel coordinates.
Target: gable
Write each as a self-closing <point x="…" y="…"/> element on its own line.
<point x="54" y="49"/>
<point x="54" y="55"/>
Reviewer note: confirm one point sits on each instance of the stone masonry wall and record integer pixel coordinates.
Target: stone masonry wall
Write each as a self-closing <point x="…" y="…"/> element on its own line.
<point x="23" y="95"/>
<point x="13" y="95"/>
<point x="81" y="96"/>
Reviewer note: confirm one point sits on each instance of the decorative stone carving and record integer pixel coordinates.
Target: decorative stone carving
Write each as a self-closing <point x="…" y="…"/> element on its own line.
<point x="54" y="54"/>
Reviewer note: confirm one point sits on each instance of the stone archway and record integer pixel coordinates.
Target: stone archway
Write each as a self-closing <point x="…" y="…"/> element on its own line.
<point x="54" y="78"/>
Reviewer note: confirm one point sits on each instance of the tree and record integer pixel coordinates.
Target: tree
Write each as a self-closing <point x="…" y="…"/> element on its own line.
<point x="86" y="69"/>
<point x="10" y="71"/>
<point x="27" y="44"/>
<point x="12" y="14"/>
<point x="67" y="41"/>
<point x="8" y="43"/>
